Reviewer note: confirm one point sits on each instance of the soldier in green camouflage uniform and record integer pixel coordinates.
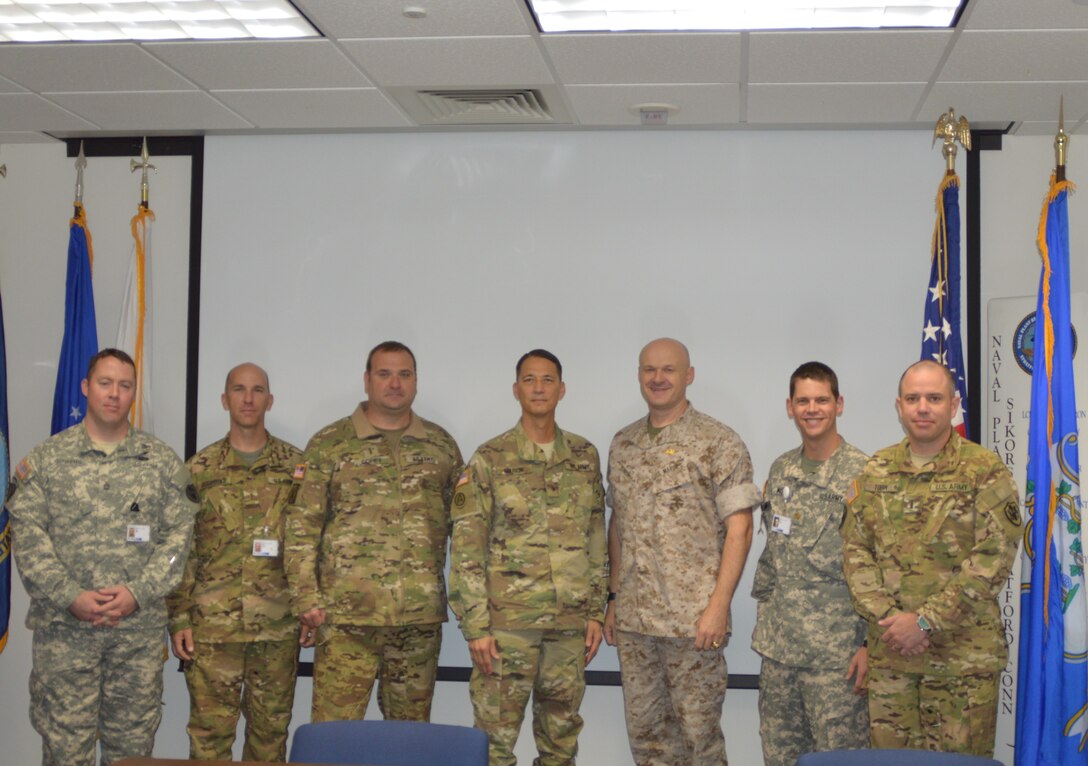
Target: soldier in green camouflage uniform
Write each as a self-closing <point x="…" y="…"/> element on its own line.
<point x="366" y="547"/>
<point x="528" y="578"/>
<point x="230" y="619"/>
<point x="812" y="683"/>
<point x="929" y="541"/>
<point x="101" y="518"/>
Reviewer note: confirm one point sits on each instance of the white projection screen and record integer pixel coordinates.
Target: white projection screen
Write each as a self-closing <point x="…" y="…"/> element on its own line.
<point x="758" y="250"/>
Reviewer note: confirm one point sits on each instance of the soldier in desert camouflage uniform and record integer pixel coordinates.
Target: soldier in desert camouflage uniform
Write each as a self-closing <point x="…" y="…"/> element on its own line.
<point x="230" y="619"/>
<point x="527" y="574"/>
<point x="812" y="683"/>
<point x="366" y="547"/>
<point x="681" y="491"/>
<point x="930" y="539"/>
<point x="101" y="518"/>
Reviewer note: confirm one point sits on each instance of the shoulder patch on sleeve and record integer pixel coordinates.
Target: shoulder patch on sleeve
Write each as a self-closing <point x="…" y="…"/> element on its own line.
<point x="462" y="480"/>
<point x="459" y="500"/>
<point x="1012" y="512"/>
<point x="300" y="472"/>
<point x="23" y="470"/>
<point x="190" y="493"/>
<point x="852" y="492"/>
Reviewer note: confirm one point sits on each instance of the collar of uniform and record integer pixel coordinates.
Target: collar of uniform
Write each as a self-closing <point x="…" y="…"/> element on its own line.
<point x="132" y="444"/>
<point x="364" y="429"/>
<point x="821" y="475"/>
<point x="527" y="447"/>
<point x="945" y="460"/>
<point x="229" y="455"/>
<point x="676" y="431"/>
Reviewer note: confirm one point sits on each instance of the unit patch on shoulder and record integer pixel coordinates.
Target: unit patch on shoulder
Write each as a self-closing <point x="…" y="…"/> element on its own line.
<point x="300" y="472"/>
<point x="459" y="500"/>
<point x="852" y="492"/>
<point x="1012" y="512"/>
<point x="23" y="470"/>
<point x="190" y="492"/>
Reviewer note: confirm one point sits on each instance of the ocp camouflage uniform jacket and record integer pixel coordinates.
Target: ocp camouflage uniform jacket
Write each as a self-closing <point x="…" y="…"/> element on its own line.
<point x="366" y="536"/>
<point x="940" y="541"/>
<point x="529" y="548"/>
<point x="72" y="512"/>
<point x="804" y="617"/>
<point x="228" y="594"/>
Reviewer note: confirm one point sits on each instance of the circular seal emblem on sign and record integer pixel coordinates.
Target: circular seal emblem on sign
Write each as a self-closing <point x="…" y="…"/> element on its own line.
<point x="1023" y="343"/>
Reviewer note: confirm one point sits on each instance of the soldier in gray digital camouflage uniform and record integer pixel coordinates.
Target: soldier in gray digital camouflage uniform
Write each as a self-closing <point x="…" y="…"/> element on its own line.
<point x="101" y="518"/>
<point x="230" y="619"/>
<point x="681" y="491"/>
<point x="812" y="682"/>
<point x="366" y="547"/>
<point x="929" y="541"/>
<point x="528" y="578"/>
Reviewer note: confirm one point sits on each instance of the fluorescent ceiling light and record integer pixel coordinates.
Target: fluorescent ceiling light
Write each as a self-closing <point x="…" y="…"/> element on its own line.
<point x="96" y="20"/>
<point x="707" y="15"/>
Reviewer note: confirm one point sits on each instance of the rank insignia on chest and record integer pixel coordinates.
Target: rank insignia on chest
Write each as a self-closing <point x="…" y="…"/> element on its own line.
<point x="670" y="451"/>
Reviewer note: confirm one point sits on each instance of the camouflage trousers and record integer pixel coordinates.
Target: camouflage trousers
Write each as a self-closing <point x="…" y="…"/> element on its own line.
<point x="802" y="710"/>
<point x="956" y="714"/>
<point x="256" y="679"/>
<point x="550" y="664"/>
<point x="673" y="697"/>
<point x="102" y="684"/>
<point x="348" y="658"/>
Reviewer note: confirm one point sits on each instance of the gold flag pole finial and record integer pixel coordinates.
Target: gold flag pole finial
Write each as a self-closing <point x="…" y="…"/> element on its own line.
<point x="81" y="163"/>
<point x="949" y="130"/>
<point x="144" y="164"/>
<point x="1061" y="143"/>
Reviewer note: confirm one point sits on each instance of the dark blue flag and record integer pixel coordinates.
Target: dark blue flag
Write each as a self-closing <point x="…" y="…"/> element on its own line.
<point x="1052" y="688"/>
<point x="80" y="330"/>
<point x="941" y="331"/>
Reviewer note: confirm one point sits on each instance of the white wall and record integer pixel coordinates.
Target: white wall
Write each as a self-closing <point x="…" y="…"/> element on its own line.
<point x="463" y="245"/>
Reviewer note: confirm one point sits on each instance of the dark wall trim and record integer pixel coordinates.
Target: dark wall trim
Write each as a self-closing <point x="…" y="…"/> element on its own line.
<point x="171" y="146"/>
<point x="981" y="141"/>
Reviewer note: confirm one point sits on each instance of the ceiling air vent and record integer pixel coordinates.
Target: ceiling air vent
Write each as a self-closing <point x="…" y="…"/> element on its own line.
<point x="483" y="106"/>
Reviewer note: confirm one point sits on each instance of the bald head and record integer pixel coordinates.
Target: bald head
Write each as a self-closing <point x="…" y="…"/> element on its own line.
<point x="673" y="349"/>
<point x="929" y="364"/>
<point x="245" y="367"/>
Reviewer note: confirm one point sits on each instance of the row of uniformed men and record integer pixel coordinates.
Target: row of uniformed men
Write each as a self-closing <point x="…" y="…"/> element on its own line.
<point x="344" y="547"/>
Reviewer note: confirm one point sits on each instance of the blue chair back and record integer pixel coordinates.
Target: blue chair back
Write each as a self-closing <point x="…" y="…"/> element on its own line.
<point x="389" y="743"/>
<point x="892" y="758"/>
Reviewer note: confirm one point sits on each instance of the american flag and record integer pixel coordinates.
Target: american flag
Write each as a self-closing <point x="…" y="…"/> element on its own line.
<point x="941" y="323"/>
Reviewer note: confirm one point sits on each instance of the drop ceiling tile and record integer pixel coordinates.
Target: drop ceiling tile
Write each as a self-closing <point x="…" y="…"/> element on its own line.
<point x="314" y="109"/>
<point x="847" y="104"/>
<point x="645" y="58"/>
<point x="699" y="104"/>
<point x="74" y="67"/>
<point x="1008" y="102"/>
<point x="1023" y="14"/>
<point x="175" y="111"/>
<point x="1018" y="57"/>
<point x="251" y="64"/>
<point x="857" y="56"/>
<point x="1046" y="128"/>
<point x="444" y="18"/>
<point x="27" y="111"/>
<point x="451" y="61"/>
<point x="14" y="137"/>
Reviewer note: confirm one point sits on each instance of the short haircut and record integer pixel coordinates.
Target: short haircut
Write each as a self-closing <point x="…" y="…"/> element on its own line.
<point x="539" y="353"/>
<point x="109" y="353"/>
<point x="815" y="371"/>
<point x="931" y="363"/>
<point x="389" y="346"/>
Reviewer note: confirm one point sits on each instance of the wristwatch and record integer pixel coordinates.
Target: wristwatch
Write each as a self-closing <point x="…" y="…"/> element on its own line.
<point x="923" y="624"/>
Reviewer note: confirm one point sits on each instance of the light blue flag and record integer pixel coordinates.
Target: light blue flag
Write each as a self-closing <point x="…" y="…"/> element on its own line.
<point x="80" y="329"/>
<point x="1052" y="688"/>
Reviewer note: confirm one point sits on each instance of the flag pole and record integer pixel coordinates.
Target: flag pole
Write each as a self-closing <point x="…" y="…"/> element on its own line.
<point x="1061" y="143"/>
<point x="81" y="163"/>
<point x="144" y="164"/>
